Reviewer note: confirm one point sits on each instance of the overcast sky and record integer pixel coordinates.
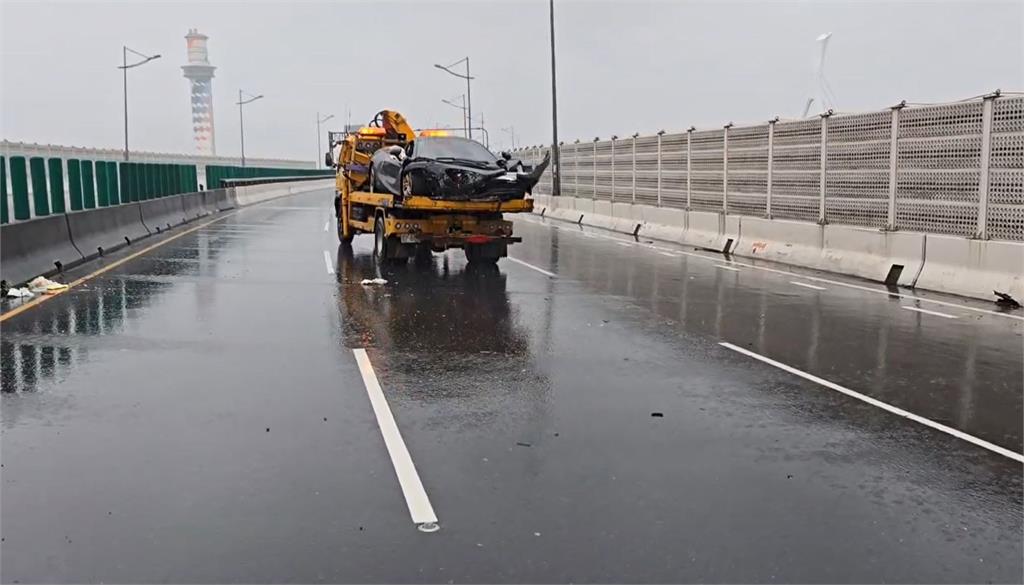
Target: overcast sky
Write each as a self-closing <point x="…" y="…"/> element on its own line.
<point x="622" y="66"/>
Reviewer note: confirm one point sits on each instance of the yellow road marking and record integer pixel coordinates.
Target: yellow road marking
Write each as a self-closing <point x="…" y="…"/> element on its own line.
<point x="42" y="299"/>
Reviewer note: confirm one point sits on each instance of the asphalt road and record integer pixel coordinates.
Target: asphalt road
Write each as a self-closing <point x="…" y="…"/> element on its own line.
<point x="198" y="414"/>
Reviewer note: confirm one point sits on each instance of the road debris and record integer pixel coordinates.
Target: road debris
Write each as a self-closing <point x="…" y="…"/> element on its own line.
<point x="20" y="293"/>
<point x="373" y="281"/>
<point x="45" y="286"/>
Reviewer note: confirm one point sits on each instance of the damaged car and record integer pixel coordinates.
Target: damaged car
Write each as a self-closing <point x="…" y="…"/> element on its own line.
<point x="452" y="168"/>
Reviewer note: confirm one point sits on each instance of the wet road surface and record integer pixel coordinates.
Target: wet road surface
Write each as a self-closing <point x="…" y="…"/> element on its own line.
<point x="197" y="414"/>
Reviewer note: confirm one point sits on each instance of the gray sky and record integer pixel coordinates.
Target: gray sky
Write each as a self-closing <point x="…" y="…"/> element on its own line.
<point x="622" y="66"/>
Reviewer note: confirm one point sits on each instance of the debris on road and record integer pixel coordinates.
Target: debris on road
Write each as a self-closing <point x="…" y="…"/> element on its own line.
<point x="1005" y="300"/>
<point x="522" y="444"/>
<point x="373" y="281"/>
<point x="19" y="293"/>
<point x="41" y="284"/>
<point x="657" y="414"/>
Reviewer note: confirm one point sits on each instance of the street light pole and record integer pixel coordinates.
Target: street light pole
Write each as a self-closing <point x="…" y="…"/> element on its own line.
<point x="124" y="68"/>
<point x="241" y="120"/>
<point x="465" y="122"/>
<point x="319" y="120"/>
<point x="556" y="167"/>
<point x="469" y="94"/>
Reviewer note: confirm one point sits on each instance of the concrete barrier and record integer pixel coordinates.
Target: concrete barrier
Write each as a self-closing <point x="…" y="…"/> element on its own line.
<point x="109" y="228"/>
<point x="163" y="213"/>
<point x="973" y="267"/>
<point x="252" y="194"/>
<point x="949" y="264"/>
<point x="223" y="199"/>
<point x="31" y="248"/>
<point x="193" y="206"/>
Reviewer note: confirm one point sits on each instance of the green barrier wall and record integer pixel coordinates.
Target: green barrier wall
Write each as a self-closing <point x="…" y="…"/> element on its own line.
<point x="56" y="185"/>
<point x="37" y="169"/>
<point x="75" y="183"/>
<point x="88" y="185"/>
<point x="114" y="194"/>
<point x="3" y="190"/>
<point x="102" y="189"/>
<point x="19" y="187"/>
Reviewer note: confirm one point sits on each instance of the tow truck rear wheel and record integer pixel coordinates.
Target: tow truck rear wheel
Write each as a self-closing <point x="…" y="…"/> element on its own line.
<point x="485" y="253"/>
<point x="385" y="249"/>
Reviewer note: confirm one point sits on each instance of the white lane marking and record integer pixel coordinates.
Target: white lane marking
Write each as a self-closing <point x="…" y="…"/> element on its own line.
<point x="805" y="285"/>
<point x="883" y="405"/>
<point x="669" y="254"/>
<point x="926" y="311"/>
<point x="327" y="262"/>
<point x="829" y="281"/>
<point x="724" y="267"/>
<point x="327" y="225"/>
<point x="412" y="488"/>
<point x="626" y="244"/>
<point x="531" y="266"/>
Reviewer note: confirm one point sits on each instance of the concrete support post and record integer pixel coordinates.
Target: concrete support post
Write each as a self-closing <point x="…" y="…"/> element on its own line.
<point x="689" y="167"/>
<point x="771" y="155"/>
<point x="894" y="155"/>
<point x="986" y="160"/>
<point x="822" y="168"/>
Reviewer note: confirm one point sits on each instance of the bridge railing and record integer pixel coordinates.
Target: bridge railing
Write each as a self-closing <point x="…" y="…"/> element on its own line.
<point x="954" y="168"/>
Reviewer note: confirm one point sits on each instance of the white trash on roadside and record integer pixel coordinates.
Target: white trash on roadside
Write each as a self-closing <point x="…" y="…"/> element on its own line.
<point x="19" y="293"/>
<point x="44" y="285"/>
<point x="372" y="281"/>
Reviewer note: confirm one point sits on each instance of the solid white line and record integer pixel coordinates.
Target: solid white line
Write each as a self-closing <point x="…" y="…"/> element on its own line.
<point x="805" y="285"/>
<point x="826" y="280"/>
<point x="327" y="262"/>
<point x="412" y="488"/>
<point x="531" y="266"/>
<point x="327" y="225"/>
<point x="628" y="245"/>
<point x="669" y="254"/>
<point x="936" y="313"/>
<point x="884" y="406"/>
<point x="724" y="267"/>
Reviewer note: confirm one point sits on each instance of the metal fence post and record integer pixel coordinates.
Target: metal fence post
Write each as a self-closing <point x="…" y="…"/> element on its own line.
<point x="771" y="152"/>
<point x="593" y="194"/>
<point x="660" y="133"/>
<point x="634" y="169"/>
<point x="894" y="155"/>
<point x="613" y="168"/>
<point x="986" y="159"/>
<point x="725" y="168"/>
<point x="689" y="165"/>
<point x="576" y="169"/>
<point x="823" y="163"/>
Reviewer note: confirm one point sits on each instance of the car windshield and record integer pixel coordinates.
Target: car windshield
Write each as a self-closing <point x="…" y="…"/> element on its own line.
<point x="454" y="148"/>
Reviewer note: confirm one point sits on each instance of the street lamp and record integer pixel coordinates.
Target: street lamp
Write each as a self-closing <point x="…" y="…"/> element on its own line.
<point x="319" y="120"/>
<point x="465" y="124"/>
<point x="511" y="130"/>
<point x="469" y="95"/>
<point x="241" y="121"/>
<point x="125" y="67"/>
<point x="556" y="167"/>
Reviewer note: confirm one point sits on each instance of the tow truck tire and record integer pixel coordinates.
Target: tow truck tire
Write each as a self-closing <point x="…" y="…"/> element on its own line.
<point x="380" y="241"/>
<point x="346" y="240"/>
<point x="485" y="253"/>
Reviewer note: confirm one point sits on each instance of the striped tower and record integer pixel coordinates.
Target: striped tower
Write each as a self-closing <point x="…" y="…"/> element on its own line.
<point x="200" y="73"/>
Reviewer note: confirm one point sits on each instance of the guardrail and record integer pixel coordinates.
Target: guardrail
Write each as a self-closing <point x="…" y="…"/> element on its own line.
<point x="954" y="168"/>
<point x="35" y="187"/>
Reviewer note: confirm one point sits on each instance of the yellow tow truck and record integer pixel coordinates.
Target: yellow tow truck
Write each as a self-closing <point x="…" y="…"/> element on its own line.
<point x="409" y="224"/>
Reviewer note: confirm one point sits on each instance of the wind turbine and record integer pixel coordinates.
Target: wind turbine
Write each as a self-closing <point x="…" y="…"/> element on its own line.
<point x="825" y="95"/>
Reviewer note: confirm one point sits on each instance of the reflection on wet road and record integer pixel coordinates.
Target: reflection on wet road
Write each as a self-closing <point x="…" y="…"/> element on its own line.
<point x="197" y="415"/>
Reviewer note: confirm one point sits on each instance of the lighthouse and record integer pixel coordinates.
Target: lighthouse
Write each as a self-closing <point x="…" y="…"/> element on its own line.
<point x="199" y="72"/>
